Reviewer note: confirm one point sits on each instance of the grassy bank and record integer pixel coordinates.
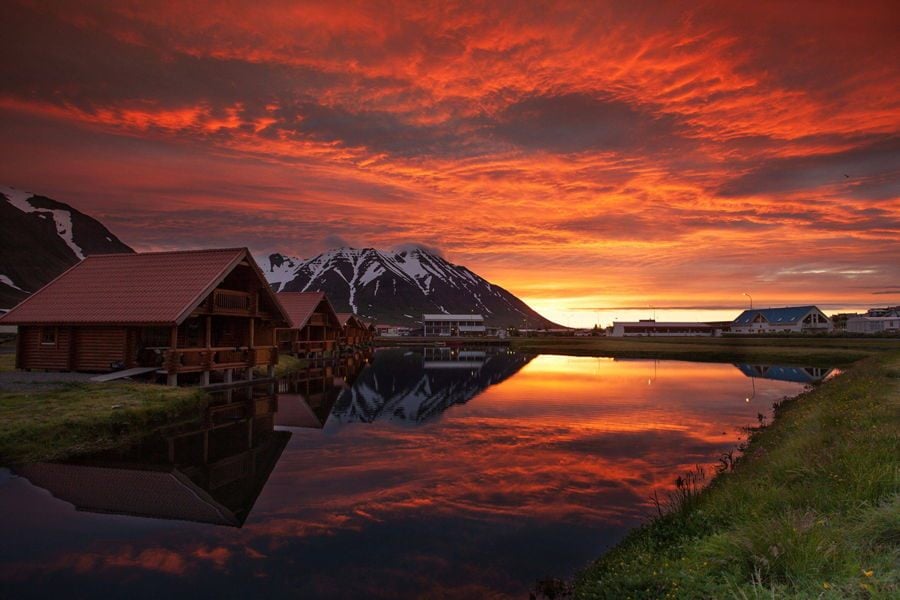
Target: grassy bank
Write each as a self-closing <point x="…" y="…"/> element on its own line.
<point x="85" y="417"/>
<point x="800" y="351"/>
<point x="812" y="509"/>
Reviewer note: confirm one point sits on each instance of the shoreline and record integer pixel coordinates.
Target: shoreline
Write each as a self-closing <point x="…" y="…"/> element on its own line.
<point x="810" y="508"/>
<point x="788" y="351"/>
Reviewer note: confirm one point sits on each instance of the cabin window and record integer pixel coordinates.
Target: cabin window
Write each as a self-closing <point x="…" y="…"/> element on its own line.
<point x="48" y="336"/>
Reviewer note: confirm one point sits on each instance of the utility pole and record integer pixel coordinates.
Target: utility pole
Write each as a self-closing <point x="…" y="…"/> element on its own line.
<point x="751" y="300"/>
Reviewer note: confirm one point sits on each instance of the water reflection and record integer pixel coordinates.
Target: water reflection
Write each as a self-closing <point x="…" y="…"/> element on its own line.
<point x="782" y="373"/>
<point x="413" y="387"/>
<point x="436" y="472"/>
<point x="209" y="471"/>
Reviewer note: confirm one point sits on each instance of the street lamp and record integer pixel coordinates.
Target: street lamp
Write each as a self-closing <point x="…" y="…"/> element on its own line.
<point x="751" y="300"/>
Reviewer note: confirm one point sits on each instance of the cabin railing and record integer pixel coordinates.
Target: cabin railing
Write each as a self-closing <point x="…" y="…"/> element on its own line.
<point x="232" y="302"/>
<point x="184" y="360"/>
<point x="308" y="346"/>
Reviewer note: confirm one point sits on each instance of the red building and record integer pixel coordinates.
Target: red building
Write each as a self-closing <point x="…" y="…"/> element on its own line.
<point x="314" y="329"/>
<point x="198" y="311"/>
<point x="354" y="331"/>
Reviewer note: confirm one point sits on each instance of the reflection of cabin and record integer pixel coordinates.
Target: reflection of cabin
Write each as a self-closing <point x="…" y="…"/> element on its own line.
<point x="305" y="398"/>
<point x="210" y="473"/>
<point x="314" y="328"/>
<point x="354" y="331"/>
<point x="197" y="311"/>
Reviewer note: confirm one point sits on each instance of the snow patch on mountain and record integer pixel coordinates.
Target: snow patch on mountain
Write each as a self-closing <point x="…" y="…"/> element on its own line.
<point x="62" y="218"/>
<point x="281" y="270"/>
<point x="7" y="281"/>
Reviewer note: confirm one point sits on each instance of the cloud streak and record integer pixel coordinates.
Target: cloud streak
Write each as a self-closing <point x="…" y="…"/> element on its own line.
<point x="593" y="153"/>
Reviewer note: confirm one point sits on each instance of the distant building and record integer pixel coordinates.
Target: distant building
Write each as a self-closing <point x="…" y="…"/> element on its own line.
<point x="867" y="324"/>
<point x="650" y="327"/>
<point x="452" y="325"/>
<point x="887" y="311"/>
<point x="392" y="330"/>
<point x="789" y="319"/>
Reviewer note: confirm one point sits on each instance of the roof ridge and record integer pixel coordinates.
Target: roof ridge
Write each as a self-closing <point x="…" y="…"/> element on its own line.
<point x="168" y="252"/>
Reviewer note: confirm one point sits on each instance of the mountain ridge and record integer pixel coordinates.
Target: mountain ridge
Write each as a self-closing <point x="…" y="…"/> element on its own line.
<point x="398" y="286"/>
<point x="40" y="238"/>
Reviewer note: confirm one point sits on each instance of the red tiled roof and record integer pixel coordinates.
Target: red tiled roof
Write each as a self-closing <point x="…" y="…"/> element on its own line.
<point x="301" y="305"/>
<point x="344" y="318"/>
<point x="147" y="288"/>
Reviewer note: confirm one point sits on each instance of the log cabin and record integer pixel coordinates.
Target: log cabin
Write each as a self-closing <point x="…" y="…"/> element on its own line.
<point x="197" y="311"/>
<point x="314" y="330"/>
<point x="355" y="333"/>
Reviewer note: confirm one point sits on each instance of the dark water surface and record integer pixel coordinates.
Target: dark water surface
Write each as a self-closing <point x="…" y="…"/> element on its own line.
<point x="435" y="473"/>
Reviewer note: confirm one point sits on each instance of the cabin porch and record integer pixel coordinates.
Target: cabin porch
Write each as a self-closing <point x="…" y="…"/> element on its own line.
<point x="209" y="343"/>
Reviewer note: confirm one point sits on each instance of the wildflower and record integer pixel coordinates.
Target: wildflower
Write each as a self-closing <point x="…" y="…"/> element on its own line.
<point x="868" y="573"/>
<point x="826" y="585"/>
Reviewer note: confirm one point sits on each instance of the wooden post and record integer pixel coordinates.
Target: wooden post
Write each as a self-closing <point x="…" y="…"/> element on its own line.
<point x="172" y="379"/>
<point x="209" y="357"/>
<point x="70" y="362"/>
<point x="252" y="321"/>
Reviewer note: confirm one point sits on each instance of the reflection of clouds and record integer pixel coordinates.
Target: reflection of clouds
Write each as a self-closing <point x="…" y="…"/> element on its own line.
<point x="520" y="479"/>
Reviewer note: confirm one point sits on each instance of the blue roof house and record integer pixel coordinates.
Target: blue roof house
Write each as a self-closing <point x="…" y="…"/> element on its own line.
<point x="789" y="319"/>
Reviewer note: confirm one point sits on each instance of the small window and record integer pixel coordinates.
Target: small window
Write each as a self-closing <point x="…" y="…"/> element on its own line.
<point x="48" y="336"/>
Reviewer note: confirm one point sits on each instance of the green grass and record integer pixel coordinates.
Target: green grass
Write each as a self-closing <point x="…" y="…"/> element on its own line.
<point x="812" y="509"/>
<point x="83" y="417"/>
<point x="286" y="365"/>
<point x="799" y="350"/>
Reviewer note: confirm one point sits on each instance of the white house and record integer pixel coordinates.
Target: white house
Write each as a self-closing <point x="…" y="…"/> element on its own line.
<point x="650" y="327"/>
<point x="788" y="319"/>
<point x="452" y="325"/>
<point x="866" y="324"/>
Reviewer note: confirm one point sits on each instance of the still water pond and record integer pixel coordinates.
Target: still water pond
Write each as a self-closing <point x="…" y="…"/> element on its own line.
<point x="414" y="473"/>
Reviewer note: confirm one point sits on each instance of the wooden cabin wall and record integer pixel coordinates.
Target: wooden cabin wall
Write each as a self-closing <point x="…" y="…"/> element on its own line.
<point x="263" y="334"/>
<point x="31" y="354"/>
<point x="96" y="348"/>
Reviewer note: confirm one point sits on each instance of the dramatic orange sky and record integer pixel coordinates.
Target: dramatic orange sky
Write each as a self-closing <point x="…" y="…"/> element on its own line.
<point x="589" y="157"/>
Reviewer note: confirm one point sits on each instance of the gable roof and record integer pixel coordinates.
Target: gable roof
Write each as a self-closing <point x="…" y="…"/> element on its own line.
<point x="151" y="288"/>
<point x="345" y="318"/>
<point x="300" y="306"/>
<point x="776" y="316"/>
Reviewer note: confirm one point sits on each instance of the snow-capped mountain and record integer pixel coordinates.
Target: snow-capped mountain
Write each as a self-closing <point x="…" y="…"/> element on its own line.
<point x="398" y="287"/>
<point x="40" y="238"/>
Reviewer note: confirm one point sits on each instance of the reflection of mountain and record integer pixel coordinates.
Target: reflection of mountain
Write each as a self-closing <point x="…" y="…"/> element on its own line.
<point x="412" y="387"/>
<point x="210" y="473"/>
<point x="780" y="373"/>
<point x="305" y="399"/>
